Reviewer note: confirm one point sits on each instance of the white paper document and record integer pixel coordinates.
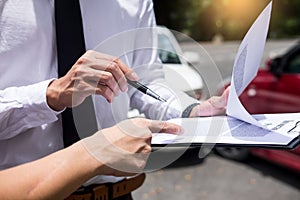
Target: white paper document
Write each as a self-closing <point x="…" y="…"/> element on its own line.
<point x="239" y="127"/>
<point x="280" y="130"/>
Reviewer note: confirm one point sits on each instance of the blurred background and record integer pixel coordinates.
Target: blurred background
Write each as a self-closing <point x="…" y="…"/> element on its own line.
<point x="217" y="27"/>
<point x="203" y="20"/>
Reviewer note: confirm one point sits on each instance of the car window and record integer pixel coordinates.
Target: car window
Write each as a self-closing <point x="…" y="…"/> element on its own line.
<point x="293" y="65"/>
<point x="166" y="51"/>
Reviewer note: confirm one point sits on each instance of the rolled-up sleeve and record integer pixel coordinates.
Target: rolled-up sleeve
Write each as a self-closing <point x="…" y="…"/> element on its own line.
<point x="23" y="108"/>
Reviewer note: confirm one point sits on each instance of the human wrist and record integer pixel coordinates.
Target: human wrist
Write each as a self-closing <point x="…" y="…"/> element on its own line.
<point x="52" y="95"/>
<point x="94" y="152"/>
<point x="188" y="111"/>
<point x="93" y="166"/>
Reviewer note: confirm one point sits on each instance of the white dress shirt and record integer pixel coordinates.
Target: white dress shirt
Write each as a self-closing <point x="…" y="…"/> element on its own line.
<point x="29" y="129"/>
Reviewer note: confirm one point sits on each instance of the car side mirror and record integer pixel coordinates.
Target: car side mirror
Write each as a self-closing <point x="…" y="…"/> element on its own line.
<point x="275" y="67"/>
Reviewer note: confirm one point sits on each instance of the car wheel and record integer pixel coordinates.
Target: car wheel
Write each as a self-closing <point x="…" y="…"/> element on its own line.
<point x="233" y="153"/>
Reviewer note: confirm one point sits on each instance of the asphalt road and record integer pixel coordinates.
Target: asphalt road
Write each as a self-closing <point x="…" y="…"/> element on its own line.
<point x="214" y="177"/>
<point x="217" y="178"/>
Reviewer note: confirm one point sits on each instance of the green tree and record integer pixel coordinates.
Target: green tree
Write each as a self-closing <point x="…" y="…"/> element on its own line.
<point x="202" y="19"/>
<point x="285" y="18"/>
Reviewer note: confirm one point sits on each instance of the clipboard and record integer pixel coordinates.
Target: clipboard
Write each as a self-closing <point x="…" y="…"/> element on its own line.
<point x="292" y="145"/>
<point x="281" y="131"/>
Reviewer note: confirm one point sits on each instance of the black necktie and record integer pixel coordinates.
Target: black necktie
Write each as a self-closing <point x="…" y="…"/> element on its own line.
<point x="70" y="46"/>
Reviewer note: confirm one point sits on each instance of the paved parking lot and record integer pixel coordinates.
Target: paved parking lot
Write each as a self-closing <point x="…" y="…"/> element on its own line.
<point x="217" y="178"/>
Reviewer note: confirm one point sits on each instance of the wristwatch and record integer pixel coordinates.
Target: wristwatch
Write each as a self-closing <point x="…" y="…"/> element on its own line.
<point x="186" y="113"/>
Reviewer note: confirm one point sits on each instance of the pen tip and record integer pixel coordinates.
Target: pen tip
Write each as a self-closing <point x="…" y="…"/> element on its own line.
<point x="161" y="99"/>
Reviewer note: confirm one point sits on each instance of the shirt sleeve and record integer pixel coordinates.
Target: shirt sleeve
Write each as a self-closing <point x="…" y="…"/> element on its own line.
<point x="148" y="66"/>
<point x="25" y="107"/>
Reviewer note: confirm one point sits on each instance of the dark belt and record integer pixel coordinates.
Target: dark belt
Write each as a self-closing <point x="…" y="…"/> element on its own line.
<point x="108" y="191"/>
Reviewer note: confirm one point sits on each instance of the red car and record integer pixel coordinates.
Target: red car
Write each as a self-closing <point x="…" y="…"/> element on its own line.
<point x="275" y="89"/>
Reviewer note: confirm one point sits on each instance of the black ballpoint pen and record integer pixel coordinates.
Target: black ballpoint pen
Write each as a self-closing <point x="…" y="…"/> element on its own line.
<point x="144" y="89"/>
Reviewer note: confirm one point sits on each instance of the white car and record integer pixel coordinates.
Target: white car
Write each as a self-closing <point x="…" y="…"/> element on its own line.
<point x="178" y="72"/>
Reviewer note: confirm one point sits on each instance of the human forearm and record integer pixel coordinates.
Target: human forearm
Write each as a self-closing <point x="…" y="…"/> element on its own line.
<point x="121" y="150"/>
<point x="22" y="108"/>
<point x="52" y="177"/>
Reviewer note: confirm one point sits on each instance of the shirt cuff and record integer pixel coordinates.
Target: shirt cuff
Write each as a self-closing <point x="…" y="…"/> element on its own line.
<point x="36" y="104"/>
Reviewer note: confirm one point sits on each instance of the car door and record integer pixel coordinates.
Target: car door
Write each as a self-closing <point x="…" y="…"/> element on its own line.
<point x="287" y="88"/>
<point x="276" y="90"/>
<point x="261" y="91"/>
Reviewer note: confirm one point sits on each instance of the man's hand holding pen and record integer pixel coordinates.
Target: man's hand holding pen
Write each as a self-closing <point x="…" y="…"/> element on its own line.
<point x="93" y="73"/>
